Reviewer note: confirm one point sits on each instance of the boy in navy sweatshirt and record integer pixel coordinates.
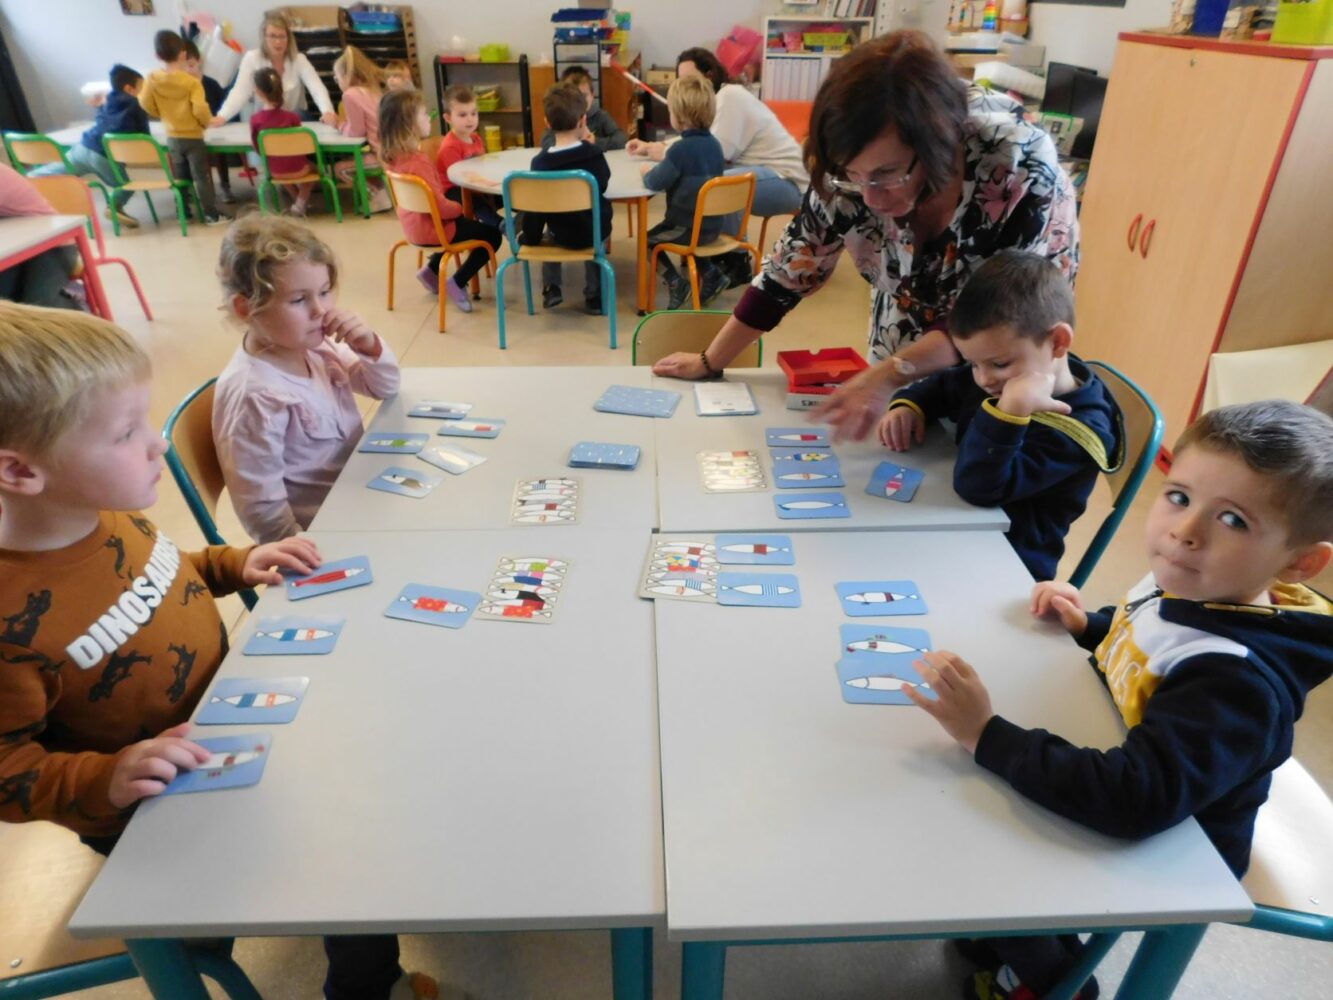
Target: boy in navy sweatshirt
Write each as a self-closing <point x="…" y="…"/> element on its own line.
<point x="120" y="113"/>
<point x="1035" y="424"/>
<point x="602" y="130"/>
<point x="1209" y="660"/>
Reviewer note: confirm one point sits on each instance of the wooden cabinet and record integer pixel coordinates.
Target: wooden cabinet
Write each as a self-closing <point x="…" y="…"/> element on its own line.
<point x="620" y="98"/>
<point x="1206" y="223"/>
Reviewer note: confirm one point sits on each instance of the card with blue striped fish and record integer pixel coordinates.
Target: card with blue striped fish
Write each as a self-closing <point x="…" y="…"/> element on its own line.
<point x="261" y="700"/>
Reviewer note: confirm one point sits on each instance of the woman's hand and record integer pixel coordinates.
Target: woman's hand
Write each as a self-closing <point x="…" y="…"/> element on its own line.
<point x="857" y="405"/>
<point x="329" y="118"/>
<point x="298" y="554"/>
<point x="682" y="364"/>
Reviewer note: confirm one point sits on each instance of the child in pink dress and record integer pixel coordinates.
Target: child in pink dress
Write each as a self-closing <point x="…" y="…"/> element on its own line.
<point x="360" y="81"/>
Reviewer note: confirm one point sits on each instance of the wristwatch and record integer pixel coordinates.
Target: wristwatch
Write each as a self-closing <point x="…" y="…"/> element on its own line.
<point x="901" y="365"/>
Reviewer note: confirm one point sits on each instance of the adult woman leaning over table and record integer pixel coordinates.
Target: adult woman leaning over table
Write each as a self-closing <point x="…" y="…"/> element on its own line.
<point x="277" y="49"/>
<point x="920" y="179"/>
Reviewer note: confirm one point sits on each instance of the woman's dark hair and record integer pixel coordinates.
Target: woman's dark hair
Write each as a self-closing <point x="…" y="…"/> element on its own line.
<point x="899" y="81"/>
<point x="707" y="64"/>
<point x="269" y="84"/>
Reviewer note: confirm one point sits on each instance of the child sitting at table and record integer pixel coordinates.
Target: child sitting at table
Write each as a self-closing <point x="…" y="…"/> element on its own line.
<point x="1034" y="424"/>
<point x="690" y="162"/>
<point x="359" y="80"/>
<point x="601" y="129"/>
<point x="398" y="76"/>
<point x="120" y="112"/>
<point x="43" y="280"/>
<point x="284" y="417"/>
<point x="463" y="143"/>
<point x="1209" y="660"/>
<point x="566" y="109"/>
<point x="404" y="121"/>
<point x="268" y="85"/>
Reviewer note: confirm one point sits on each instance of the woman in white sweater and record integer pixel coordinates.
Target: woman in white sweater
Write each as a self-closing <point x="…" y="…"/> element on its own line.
<point x="278" y="50"/>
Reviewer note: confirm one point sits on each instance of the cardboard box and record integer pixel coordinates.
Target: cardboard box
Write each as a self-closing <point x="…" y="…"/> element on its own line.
<point x="660" y="76"/>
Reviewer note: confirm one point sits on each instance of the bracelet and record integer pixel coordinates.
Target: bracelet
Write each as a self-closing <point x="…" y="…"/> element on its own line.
<point x="712" y="372"/>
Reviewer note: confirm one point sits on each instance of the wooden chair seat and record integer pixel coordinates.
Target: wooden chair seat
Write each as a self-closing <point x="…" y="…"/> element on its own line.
<point x="546" y="253"/>
<point x="1291" y="864"/>
<point x="723" y="244"/>
<point x="690" y="330"/>
<point x="721" y="196"/>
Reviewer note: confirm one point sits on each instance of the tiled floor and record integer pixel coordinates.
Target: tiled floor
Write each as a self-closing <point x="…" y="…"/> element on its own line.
<point x="192" y="339"/>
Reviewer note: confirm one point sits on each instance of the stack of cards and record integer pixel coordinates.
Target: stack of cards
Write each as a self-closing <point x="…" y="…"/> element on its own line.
<point x="876" y="662"/>
<point x="472" y="427"/>
<point x="592" y="455"/>
<point x="331" y="577"/>
<point x="452" y="458"/>
<point x="545" y="501"/>
<point x="436" y="409"/>
<point x="405" y="482"/>
<point x="638" y="402"/>
<point x="433" y="605"/>
<point x="264" y="700"/>
<point x="394" y="442"/>
<point x="724" y="399"/>
<point x="680" y="569"/>
<point x="303" y="636"/>
<point x="731" y="471"/>
<point x="524" y="589"/>
<point x="894" y="482"/>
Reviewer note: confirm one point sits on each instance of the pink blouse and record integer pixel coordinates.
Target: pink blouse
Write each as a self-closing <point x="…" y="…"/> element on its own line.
<point x="363" y="116"/>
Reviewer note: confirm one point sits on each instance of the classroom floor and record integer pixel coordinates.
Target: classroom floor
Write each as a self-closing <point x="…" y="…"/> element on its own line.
<point x="191" y="340"/>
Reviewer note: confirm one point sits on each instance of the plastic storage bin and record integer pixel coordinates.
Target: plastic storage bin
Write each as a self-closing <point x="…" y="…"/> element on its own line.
<point x="1308" y="23"/>
<point x="495" y="52"/>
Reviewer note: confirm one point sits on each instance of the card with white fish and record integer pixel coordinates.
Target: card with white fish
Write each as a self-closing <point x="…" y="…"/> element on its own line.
<point x="682" y="569"/>
<point x="758" y="590"/>
<point x="524" y="589"/>
<point x="731" y="472"/>
<point x="259" y="700"/>
<point x="434" y="605"/>
<point x="805" y="438"/>
<point x="876" y="660"/>
<point x="472" y="427"/>
<point x="596" y="455"/>
<point x="892" y="481"/>
<point x="803" y="455"/>
<point x="788" y="475"/>
<point x="755" y="550"/>
<point x="438" y="409"/>
<point x="553" y="500"/>
<point x="294" y="636"/>
<point x="331" y="577"/>
<point x="724" y="399"/>
<point x="876" y="598"/>
<point x="394" y="442"/>
<point x="452" y="458"/>
<point x="637" y="402"/>
<point x="405" y="482"/>
<point x="811" y="506"/>
<point x="234" y="762"/>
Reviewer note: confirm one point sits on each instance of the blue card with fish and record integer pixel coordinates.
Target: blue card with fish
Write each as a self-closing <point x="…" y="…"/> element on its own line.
<point x="788" y="475"/>
<point x="755" y="550"/>
<point x="330" y="578"/>
<point x="876" y="661"/>
<point x="596" y="455"/>
<point x="304" y="635"/>
<point x="758" y="590"/>
<point x="261" y="700"/>
<point x="894" y="482"/>
<point x="811" y="506"/>
<point x="438" y="409"/>
<point x="806" y="456"/>
<point x="875" y="598"/>
<point x="393" y="442"/>
<point x="638" y="402"/>
<point x="805" y="438"/>
<point x="233" y="762"/>
<point x="434" y="605"/>
<point x="472" y="427"/>
<point x="405" y="482"/>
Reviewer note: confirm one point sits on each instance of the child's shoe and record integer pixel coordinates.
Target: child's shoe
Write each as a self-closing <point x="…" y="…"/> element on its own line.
<point x="713" y="283"/>
<point x="738" y="268"/>
<point x="1004" y="984"/>
<point x="429" y="279"/>
<point x="552" y="296"/>
<point x="226" y="197"/>
<point x="458" y="296"/>
<point x="123" y="217"/>
<point x="419" y="986"/>
<point x="678" y="290"/>
<point x="297" y="211"/>
<point x="593" y="303"/>
<point x="214" y="219"/>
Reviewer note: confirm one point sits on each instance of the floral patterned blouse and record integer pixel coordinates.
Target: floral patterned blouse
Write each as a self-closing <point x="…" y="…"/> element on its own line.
<point x="1015" y="196"/>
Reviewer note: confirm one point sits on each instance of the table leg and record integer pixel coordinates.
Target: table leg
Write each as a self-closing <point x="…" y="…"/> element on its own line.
<point x="644" y="276"/>
<point x="632" y="963"/>
<point x="92" y="280"/>
<point x="703" y="964"/>
<point x="1160" y="962"/>
<point x="167" y="969"/>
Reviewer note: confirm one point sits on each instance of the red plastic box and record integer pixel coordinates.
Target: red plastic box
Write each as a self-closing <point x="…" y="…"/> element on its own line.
<point x="813" y="375"/>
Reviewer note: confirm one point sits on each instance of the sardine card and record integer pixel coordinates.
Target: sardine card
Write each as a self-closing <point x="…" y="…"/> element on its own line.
<point x="758" y="590"/>
<point x="394" y="442"/>
<point x="894" y="482"/>
<point x="798" y="506"/>
<point x="680" y="569"/>
<point x="234" y="762"/>
<point x="637" y="402"/>
<point x="331" y="577"/>
<point x="472" y="427"/>
<point x="596" y="455"/>
<point x="434" y="605"/>
<point x="876" y="661"/>
<point x="797" y="437"/>
<point x="874" y="598"/>
<point x="803" y="455"/>
<point x="438" y="409"/>
<point x="550" y="500"/>
<point x="755" y="550"/>
<point x="788" y="475"/>
<point x="405" y="482"/>
<point x="731" y="472"/>
<point x="452" y="458"/>
<point x="524" y="589"/>
<point x="259" y="700"/>
<point x="294" y="636"/>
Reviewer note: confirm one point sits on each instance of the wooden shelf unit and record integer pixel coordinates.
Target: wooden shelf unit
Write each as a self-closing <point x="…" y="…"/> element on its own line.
<point x="796" y="75"/>
<point x="513" y="79"/>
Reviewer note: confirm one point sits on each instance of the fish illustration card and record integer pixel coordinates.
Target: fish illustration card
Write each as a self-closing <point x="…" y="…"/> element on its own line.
<point x="472" y="427"/>
<point x="637" y="402"/>
<point x="758" y="590"/>
<point x="876" y="661"/>
<point x="552" y="500"/>
<point x="682" y="569"/>
<point x="595" y="455"/>
<point x="329" y="578"/>
<point x="809" y="438"/>
<point x="394" y="442"/>
<point x="807" y="475"/>
<point x="724" y="399"/>
<point x="234" y="762"/>
<point x="405" y="482"/>
<point x="805" y="456"/>
<point x="294" y="636"/>
<point x="876" y="598"/>
<point x="524" y="589"/>
<point x="526" y="572"/>
<point x="434" y="605"/>
<point x="438" y="409"/>
<point x="731" y="472"/>
<point x="811" y="506"/>
<point x="452" y="458"/>
<point x="755" y="550"/>
<point x="258" y="700"/>
<point x="894" y="482"/>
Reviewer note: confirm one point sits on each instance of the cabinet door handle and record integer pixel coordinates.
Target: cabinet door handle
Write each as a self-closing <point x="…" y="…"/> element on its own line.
<point x="1134" y="231"/>
<point x="1146" y="239"/>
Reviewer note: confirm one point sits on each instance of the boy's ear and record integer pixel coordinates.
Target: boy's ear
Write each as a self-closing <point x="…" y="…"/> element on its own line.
<point x="18" y="477"/>
<point x="1308" y="562"/>
<point x="241" y="306"/>
<point x="1060" y="338"/>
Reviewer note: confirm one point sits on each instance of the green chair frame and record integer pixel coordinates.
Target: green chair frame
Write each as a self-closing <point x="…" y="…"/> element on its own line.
<point x="685" y="317"/>
<point x="179" y="186"/>
<point x="269" y="187"/>
<point x="63" y="156"/>
<point x="360" y="189"/>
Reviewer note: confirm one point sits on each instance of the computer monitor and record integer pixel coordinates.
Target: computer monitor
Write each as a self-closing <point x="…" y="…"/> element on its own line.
<point x="1076" y="91"/>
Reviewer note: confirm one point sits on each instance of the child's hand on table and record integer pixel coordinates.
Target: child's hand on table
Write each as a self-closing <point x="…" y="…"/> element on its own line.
<point x="962" y="704"/>
<point x="1056" y="601"/>
<point x="1030" y="393"/>
<point x="145" y="768"/>
<point x="900" y="428"/>
<point x="261" y="564"/>
<point x="345" y="327"/>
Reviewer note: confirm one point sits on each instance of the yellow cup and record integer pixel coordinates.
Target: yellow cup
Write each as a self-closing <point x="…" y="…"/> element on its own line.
<point x="491" y="136"/>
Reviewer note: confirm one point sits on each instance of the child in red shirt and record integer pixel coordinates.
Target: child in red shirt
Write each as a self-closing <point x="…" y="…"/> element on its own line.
<point x="463" y="143"/>
<point x="268" y="85"/>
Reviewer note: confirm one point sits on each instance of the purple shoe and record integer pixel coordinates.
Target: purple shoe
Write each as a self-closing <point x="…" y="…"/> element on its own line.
<point x="458" y="296"/>
<point x="429" y="279"/>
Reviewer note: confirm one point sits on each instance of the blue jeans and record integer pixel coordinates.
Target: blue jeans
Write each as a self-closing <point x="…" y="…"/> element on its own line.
<point x="773" y="195"/>
<point x="85" y="161"/>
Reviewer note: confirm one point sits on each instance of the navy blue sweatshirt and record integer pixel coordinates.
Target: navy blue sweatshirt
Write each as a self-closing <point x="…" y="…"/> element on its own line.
<point x="120" y="113"/>
<point x="691" y="162"/>
<point x="572" y="230"/>
<point x="1040" y="475"/>
<point x="606" y="134"/>
<point x="1211" y="733"/>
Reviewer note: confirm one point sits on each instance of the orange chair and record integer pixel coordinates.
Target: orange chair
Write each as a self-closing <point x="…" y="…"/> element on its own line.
<point x="413" y="194"/>
<point x="794" y="115"/>
<point x="720" y="196"/>
<point x="69" y="195"/>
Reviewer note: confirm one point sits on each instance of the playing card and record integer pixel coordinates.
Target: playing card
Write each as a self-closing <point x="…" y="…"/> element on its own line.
<point x="452" y="458"/>
<point x="680" y="569"/>
<point x="407" y="482"/>
<point x="894" y="482"/>
<point x="811" y="506"/>
<point x="440" y="410"/>
<point x="331" y="577"/>
<point x="234" y="762"/>
<point x="755" y="550"/>
<point x="802" y="455"/>
<point x="790" y="475"/>
<point x="731" y="471"/>
<point x="876" y="661"/>
<point x="260" y="700"/>
<point x="472" y="427"/>
<point x="593" y="455"/>
<point x="394" y="442"/>
<point x="294" y="636"/>
<point x="873" y="598"/>
<point x="724" y="399"/>
<point x="638" y="402"/>
<point x="807" y="438"/>
<point x="433" y="605"/>
<point x="759" y="590"/>
<point x="524" y="589"/>
<point x="545" y="501"/>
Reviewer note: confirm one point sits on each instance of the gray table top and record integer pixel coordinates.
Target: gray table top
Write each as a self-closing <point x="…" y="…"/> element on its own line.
<point x="789" y="813"/>
<point x="21" y="233"/>
<point x="497" y="777"/>
<point x="626" y="172"/>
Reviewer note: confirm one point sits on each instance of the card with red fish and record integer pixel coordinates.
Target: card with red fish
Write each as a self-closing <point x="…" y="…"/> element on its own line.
<point x="434" y="605"/>
<point x="330" y="578"/>
<point x="262" y="700"/>
<point x="894" y="482"/>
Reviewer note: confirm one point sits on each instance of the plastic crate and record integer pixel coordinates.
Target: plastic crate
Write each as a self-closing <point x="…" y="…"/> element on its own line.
<point x="488" y="100"/>
<point x="1309" y="23"/>
<point x="827" y="40"/>
<point x="375" y="20"/>
<point x="826" y="368"/>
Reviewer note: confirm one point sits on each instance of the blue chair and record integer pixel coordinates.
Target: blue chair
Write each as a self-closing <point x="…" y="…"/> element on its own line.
<point x="554" y="191"/>
<point x="193" y="461"/>
<point x="1141" y="430"/>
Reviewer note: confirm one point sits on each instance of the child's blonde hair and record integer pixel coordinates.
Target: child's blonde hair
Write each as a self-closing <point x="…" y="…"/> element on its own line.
<point x="355" y="67"/>
<point x="692" y="101"/>
<point x="253" y="249"/>
<point x="50" y="361"/>
<point x="398" y="123"/>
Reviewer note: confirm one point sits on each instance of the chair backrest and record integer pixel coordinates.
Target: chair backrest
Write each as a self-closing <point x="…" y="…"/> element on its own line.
<point x="724" y="196"/>
<point x="551" y="191"/>
<point x="31" y="149"/>
<point x="431" y="146"/>
<point x="794" y="116"/>
<point x="69" y="195"/>
<point x="1141" y="427"/>
<point x="288" y="142"/>
<point x="411" y="193"/>
<point x="135" y="156"/>
<point x="661" y="333"/>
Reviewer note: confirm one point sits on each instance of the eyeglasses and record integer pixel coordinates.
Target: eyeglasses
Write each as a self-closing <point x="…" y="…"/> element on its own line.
<point x="881" y="182"/>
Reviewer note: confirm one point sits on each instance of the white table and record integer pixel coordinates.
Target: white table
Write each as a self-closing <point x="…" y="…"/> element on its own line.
<point x="233" y="137"/>
<point x="24" y="237"/>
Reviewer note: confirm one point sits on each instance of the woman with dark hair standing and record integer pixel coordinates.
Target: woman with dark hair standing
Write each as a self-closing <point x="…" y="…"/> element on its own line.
<point x="920" y="179"/>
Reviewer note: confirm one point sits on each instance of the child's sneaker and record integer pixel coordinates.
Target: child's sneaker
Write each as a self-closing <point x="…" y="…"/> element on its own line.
<point x="552" y="296"/>
<point x="712" y="284"/>
<point x="419" y="986"/>
<point x="593" y="303"/>
<point x="380" y="201"/>
<point x="678" y="291"/>
<point x="214" y="219"/>
<point x="430" y="279"/>
<point x="458" y="296"/>
<point x="226" y="197"/>
<point x="1004" y="984"/>
<point x="123" y="217"/>
<point x="297" y="211"/>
